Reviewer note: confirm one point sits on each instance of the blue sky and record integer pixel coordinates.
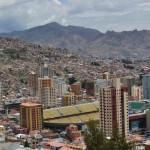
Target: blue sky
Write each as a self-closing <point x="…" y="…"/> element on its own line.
<point x="117" y="15"/>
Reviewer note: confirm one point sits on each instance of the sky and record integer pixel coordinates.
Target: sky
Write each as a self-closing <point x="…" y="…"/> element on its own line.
<point x="103" y="15"/>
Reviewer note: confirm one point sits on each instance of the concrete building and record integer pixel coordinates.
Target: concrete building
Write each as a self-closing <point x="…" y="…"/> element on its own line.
<point x="46" y="91"/>
<point x="136" y="92"/>
<point x="46" y="70"/>
<point x="60" y="86"/>
<point x="31" y="116"/>
<point x="129" y="82"/>
<point x="97" y="84"/>
<point x="76" y="89"/>
<point x="69" y="99"/>
<point x="33" y="83"/>
<point x="113" y="108"/>
<point x="146" y="86"/>
<point x="106" y="76"/>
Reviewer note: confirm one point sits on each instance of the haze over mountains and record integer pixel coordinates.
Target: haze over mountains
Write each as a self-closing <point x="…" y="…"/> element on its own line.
<point x="134" y="44"/>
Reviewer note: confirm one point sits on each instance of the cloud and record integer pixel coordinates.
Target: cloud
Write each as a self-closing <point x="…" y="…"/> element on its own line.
<point x="57" y="2"/>
<point x="99" y="14"/>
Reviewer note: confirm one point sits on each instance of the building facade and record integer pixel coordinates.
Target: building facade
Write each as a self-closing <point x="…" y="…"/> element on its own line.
<point x="76" y="89"/>
<point x="146" y="86"/>
<point x="46" y="70"/>
<point x="69" y="99"/>
<point x="46" y="91"/>
<point x="60" y="86"/>
<point x="31" y="116"/>
<point x="113" y="108"/>
<point x="97" y="84"/>
<point x="136" y="92"/>
<point x="33" y="84"/>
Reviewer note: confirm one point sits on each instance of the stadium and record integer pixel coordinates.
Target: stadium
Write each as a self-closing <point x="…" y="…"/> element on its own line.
<point x="61" y="117"/>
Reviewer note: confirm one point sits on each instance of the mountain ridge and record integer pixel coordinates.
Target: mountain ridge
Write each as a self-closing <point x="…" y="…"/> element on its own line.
<point x="134" y="44"/>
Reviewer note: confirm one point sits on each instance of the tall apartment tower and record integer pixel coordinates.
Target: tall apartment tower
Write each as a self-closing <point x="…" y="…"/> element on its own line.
<point x="33" y="83"/>
<point x="31" y="116"/>
<point x="46" y="71"/>
<point x="46" y="91"/>
<point x="60" y="86"/>
<point x="146" y="86"/>
<point x="76" y="89"/>
<point x="113" y="108"/>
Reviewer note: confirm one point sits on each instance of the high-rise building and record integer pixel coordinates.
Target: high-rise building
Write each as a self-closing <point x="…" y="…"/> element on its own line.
<point x="146" y="86"/>
<point x="129" y="82"/>
<point x="136" y="92"/>
<point x="46" y="70"/>
<point x="31" y="115"/>
<point x="76" y="89"/>
<point x="97" y="84"/>
<point x="33" y="84"/>
<point x="89" y="86"/>
<point x="60" y="86"/>
<point x="113" y="108"/>
<point x="46" y="91"/>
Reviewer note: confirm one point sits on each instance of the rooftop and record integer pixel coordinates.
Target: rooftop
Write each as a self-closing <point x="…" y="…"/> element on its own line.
<point x="30" y="104"/>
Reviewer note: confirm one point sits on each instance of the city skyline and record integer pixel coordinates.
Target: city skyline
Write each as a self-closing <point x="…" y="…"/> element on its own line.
<point x="106" y="15"/>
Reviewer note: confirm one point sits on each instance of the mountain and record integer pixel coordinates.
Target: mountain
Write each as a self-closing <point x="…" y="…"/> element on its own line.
<point x="135" y="44"/>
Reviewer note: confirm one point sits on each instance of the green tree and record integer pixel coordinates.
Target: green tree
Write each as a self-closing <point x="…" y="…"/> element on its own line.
<point x="95" y="139"/>
<point x="26" y="144"/>
<point x="119" y="141"/>
<point x="72" y="80"/>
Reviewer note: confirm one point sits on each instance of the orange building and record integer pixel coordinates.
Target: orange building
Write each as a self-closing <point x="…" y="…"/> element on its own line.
<point x="76" y="88"/>
<point x="31" y="116"/>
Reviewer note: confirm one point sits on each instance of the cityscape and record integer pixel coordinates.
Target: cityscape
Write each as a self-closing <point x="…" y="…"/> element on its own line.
<point x="74" y="75"/>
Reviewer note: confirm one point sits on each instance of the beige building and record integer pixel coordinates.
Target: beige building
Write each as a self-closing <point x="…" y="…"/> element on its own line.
<point x="69" y="99"/>
<point x="46" y="91"/>
<point x="136" y="92"/>
<point x="113" y="104"/>
<point x="2" y="130"/>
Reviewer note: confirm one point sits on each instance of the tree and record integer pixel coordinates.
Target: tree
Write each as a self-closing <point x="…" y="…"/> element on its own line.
<point x="119" y="141"/>
<point x="72" y="80"/>
<point x="95" y="139"/>
<point x="26" y="144"/>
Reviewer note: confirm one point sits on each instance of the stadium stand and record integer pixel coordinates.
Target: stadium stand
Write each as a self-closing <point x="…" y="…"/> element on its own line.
<point x="64" y="120"/>
<point x="75" y="119"/>
<point x="86" y="108"/>
<point x="84" y="118"/>
<point x="70" y="110"/>
<point x="51" y="113"/>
